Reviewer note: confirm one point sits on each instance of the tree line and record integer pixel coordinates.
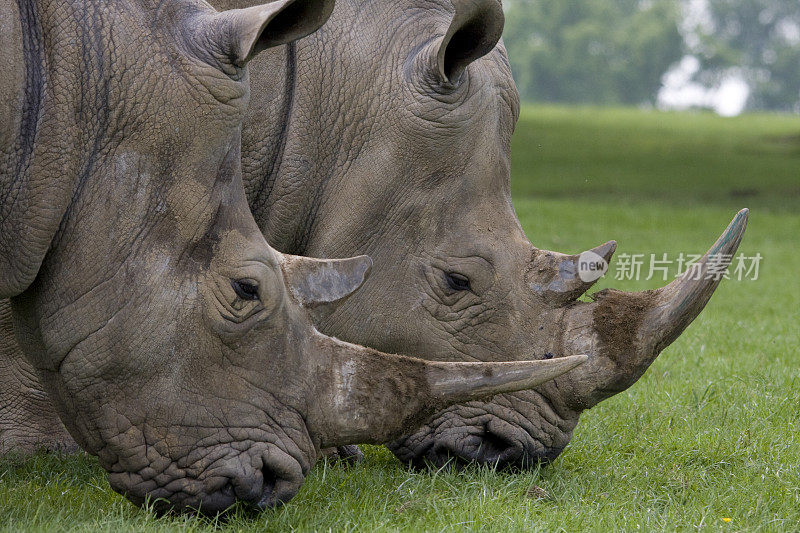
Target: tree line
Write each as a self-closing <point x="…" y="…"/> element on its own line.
<point x="617" y="51"/>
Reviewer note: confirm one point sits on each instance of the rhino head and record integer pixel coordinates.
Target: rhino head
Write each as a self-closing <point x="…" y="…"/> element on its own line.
<point x="411" y="106"/>
<point x="175" y="343"/>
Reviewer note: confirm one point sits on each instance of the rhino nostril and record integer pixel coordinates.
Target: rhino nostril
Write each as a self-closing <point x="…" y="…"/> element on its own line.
<point x="218" y="502"/>
<point x="277" y="489"/>
<point x="495" y="448"/>
<point x="483" y="447"/>
<point x="268" y="491"/>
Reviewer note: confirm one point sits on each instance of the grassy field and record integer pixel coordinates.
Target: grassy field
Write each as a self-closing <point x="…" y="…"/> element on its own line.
<point x="708" y="439"/>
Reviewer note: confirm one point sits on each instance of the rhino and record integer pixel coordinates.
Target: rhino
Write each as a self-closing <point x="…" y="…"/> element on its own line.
<point x="388" y="133"/>
<point x="174" y="342"/>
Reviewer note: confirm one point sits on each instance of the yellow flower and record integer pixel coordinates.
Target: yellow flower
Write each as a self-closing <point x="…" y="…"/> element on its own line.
<point x="726" y="520"/>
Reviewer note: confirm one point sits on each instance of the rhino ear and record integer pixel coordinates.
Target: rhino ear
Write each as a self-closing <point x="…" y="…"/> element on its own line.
<point x="240" y="34"/>
<point x="473" y="33"/>
<point x="321" y="282"/>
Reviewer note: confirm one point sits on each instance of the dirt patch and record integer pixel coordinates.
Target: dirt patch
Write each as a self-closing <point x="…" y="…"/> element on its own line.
<point x="617" y="320"/>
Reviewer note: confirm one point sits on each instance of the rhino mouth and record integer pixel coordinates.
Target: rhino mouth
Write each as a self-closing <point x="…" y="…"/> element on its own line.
<point x="498" y="433"/>
<point x="259" y="478"/>
<point x="266" y="489"/>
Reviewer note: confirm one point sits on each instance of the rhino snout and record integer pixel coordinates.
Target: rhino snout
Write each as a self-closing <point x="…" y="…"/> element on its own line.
<point x="263" y="478"/>
<point x="508" y="432"/>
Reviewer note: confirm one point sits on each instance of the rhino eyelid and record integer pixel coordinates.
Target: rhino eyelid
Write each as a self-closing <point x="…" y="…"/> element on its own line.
<point x="457" y="282"/>
<point x="245" y="289"/>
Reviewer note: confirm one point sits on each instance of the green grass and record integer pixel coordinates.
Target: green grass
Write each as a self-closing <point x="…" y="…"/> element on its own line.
<point x="711" y="432"/>
<point x="680" y="159"/>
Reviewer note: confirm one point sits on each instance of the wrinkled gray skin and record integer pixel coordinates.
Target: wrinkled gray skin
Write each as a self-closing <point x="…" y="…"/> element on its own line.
<point x="174" y="342"/>
<point x="389" y="135"/>
<point x="355" y="143"/>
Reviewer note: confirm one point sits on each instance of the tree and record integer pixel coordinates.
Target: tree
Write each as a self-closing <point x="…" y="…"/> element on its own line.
<point x="758" y="40"/>
<point x="592" y="51"/>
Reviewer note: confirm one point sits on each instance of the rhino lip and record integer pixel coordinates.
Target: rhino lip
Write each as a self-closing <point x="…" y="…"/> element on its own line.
<point x="478" y="447"/>
<point x="217" y="503"/>
<point x="488" y="438"/>
<point x="275" y="491"/>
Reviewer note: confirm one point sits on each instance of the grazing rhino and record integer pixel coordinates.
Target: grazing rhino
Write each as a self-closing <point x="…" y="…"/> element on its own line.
<point x="388" y="134"/>
<point x="172" y="339"/>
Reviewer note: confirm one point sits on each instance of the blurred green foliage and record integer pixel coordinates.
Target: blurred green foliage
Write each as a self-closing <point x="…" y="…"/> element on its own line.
<point x="616" y="51"/>
<point x="760" y="40"/>
<point x="592" y="51"/>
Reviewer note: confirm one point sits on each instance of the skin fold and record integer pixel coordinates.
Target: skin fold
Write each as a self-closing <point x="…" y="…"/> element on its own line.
<point x="174" y="342"/>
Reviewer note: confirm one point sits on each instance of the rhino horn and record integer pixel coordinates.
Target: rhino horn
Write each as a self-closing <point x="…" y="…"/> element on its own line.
<point x="556" y="277"/>
<point x="365" y="396"/>
<point x="677" y="304"/>
<point x="625" y="331"/>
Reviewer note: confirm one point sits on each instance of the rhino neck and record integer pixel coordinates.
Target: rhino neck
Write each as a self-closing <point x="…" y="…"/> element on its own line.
<point x="279" y="148"/>
<point x="304" y="127"/>
<point x="86" y="220"/>
<point x="273" y="82"/>
<point x="64" y="59"/>
<point x="273" y="78"/>
<point x="21" y="94"/>
<point x="20" y="87"/>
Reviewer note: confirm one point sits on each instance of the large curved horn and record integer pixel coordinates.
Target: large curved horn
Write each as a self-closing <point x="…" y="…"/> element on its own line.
<point x="556" y="277"/>
<point x="624" y="332"/>
<point x="677" y="304"/>
<point x="365" y="396"/>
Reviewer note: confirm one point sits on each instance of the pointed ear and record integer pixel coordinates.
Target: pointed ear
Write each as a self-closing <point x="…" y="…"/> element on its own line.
<point x="320" y="282"/>
<point x="473" y="33"/>
<point x="240" y="34"/>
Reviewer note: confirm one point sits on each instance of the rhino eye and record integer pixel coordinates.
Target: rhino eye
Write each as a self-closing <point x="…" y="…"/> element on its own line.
<point x="246" y="290"/>
<point x="457" y="282"/>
